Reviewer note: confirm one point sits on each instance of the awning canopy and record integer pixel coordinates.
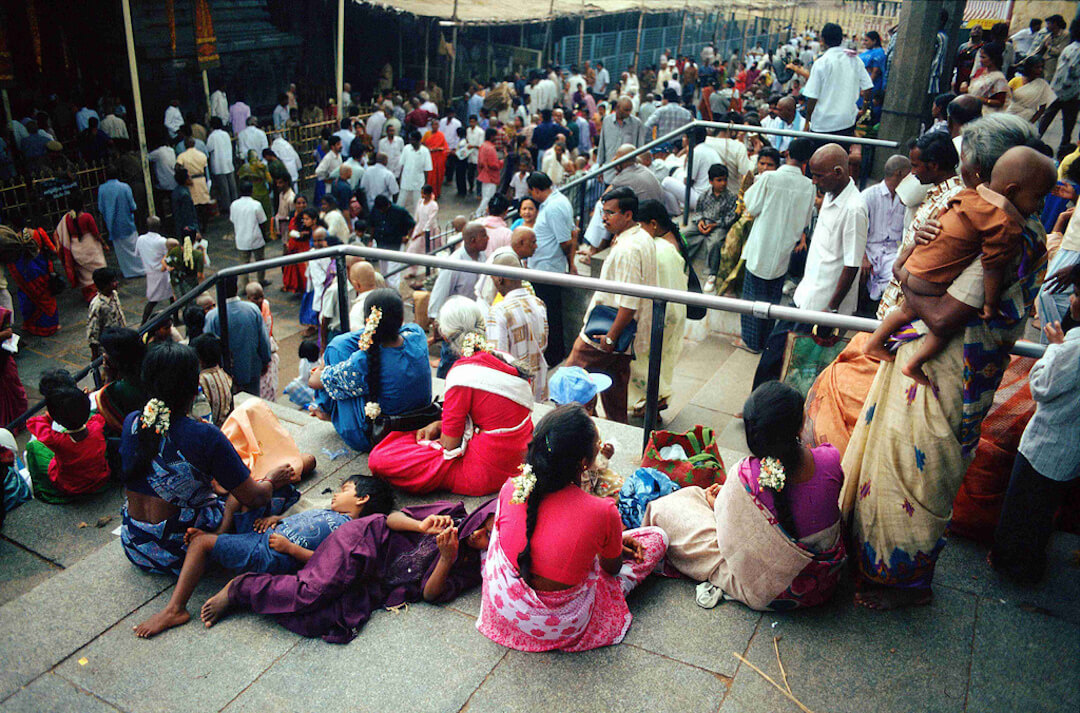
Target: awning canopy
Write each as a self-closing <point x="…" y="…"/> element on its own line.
<point x="490" y="12"/>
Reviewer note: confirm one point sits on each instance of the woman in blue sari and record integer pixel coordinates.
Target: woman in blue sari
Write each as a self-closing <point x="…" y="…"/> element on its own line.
<point x="873" y="58"/>
<point x="381" y="368"/>
<point x="170" y="462"/>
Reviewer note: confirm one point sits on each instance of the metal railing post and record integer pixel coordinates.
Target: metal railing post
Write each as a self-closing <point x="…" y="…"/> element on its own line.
<point x="689" y="176"/>
<point x="583" y="201"/>
<point x="223" y="326"/>
<point x="342" y="293"/>
<point x="656" y="350"/>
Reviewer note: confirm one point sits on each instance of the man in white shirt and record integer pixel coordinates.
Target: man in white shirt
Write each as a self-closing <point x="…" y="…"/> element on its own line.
<point x="545" y="93"/>
<point x="834" y="258"/>
<point x="346" y="97"/>
<point x="474" y="139"/>
<point x="285" y="151"/>
<point x="886" y="229"/>
<point x="837" y="79"/>
<point x="600" y="84"/>
<point x="82" y="122"/>
<point x="1023" y="39"/>
<point x="251" y="138"/>
<point x="346" y="134"/>
<point x="787" y="118"/>
<point x="174" y="119"/>
<point x="574" y="83"/>
<point x="632" y="259"/>
<point x="415" y="162"/>
<point x="249" y="227"/>
<point x="330" y="162"/>
<point x="219" y="105"/>
<point x="448" y="126"/>
<point x="222" y="169"/>
<point x="114" y="127"/>
<point x="281" y="112"/>
<point x="163" y="170"/>
<point x="782" y="204"/>
<point x="378" y="181"/>
<point x="704" y="157"/>
<point x="392" y="145"/>
<point x="732" y="154"/>
<point x="151" y="248"/>
<point x="376" y="122"/>
<point x="428" y="105"/>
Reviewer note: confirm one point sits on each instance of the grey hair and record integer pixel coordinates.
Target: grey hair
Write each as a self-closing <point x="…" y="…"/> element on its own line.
<point x="986" y="139"/>
<point x="458" y="317"/>
<point x="897" y="164"/>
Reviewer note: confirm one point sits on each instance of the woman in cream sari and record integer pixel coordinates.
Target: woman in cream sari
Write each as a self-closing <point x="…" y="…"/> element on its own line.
<point x="81" y="248"/>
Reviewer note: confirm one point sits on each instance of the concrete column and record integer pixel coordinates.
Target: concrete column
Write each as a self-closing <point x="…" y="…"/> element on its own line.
<point x="906" y="96"/>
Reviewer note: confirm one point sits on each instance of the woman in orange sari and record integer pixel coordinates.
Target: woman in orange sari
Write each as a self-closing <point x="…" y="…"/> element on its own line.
<point x="436" y="143"/>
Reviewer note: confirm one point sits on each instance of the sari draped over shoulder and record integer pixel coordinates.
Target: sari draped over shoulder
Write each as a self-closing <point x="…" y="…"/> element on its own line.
<point x="740" y="547"/>
<point x="30" y="273"/>
<point x="912" y="444"/>
<point x="587" y="616"/>
<point x="436" y="143"/>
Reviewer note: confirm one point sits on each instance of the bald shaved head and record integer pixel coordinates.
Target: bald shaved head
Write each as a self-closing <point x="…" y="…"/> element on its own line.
<point x="362" y="276"/>
<point x="622" y="151"/>
<point x="1024" y="176"/>
<point x="829" y="168"/>
<point x="523" y="241"/>
<point x="475" y="238"/>
<point x="785" y="108"/>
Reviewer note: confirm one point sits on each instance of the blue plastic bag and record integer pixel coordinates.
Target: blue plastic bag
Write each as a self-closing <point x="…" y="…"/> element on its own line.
<point x="640" y="489"/>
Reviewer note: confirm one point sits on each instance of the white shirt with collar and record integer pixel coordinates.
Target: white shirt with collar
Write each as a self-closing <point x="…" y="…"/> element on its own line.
<point x="219" y="106"/>
<point x="247" y="215"/>
<point x="220" y="147"/>
<point x="449" y="128"/>
<point x="474" y="137"/>
<point x="839" y="241"/>
<point x="782" y="204"/>
<point x="285" y="151"/>
<point x="836" y="79"/>
<point x="174" y="119"/>
<point x="378" y="181"/>
<point x="251" y="138"/>
<point x="414" y="163"/>
<point x="163" y="161"/>
<point x="393" y="150"/>
<point x="375" y="125"/>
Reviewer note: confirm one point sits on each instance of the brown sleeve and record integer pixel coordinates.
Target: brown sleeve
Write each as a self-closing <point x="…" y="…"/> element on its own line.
<point x="998" y="233"/>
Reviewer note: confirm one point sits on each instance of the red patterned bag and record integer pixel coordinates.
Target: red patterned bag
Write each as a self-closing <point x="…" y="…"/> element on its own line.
<point x="703" y="466"/>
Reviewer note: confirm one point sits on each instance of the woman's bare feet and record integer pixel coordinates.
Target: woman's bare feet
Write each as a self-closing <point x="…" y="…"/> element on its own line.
<point x="216" y="606"/>
<point x="167" y="618"/>
<point x="885" y="598"/>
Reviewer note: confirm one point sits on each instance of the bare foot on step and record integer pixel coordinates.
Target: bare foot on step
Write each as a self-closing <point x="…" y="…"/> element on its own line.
<point x="165" y="619"/>
<point x="216" y="606"/>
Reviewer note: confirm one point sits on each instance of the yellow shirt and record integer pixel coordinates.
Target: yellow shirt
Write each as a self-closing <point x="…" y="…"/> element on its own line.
<point x="1016" y="82"/>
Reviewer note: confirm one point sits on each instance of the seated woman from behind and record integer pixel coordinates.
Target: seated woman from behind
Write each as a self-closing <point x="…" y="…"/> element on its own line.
<point x="427" y="552"/>
<point x="274" y="544"/>
<point x="559" y="565"/>
<point x="486" y="423"/>
<point x="170" y="462"/>
<point x="988" y="221"/>
<point x="381" y="368"/>
<point x="770" y="536"/>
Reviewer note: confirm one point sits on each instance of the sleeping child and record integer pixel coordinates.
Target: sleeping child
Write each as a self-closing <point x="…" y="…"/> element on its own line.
<point x="987" y="221"/>
<point x="274" y="545"/>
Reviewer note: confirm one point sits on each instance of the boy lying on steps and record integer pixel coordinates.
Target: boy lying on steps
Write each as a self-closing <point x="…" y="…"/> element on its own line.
<point x="986" y="221"/>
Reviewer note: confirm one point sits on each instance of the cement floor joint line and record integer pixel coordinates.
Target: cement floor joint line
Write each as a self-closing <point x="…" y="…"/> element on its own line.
<point x="487" y="676"/>
<point x="255" y="680"/>
<point x="29" y="551"/>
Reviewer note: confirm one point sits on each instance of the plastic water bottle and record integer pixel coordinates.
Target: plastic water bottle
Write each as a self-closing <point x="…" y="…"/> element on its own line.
<point x="201" y="408"/>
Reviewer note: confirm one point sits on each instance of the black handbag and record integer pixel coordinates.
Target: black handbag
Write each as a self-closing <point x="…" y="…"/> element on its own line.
<point x="385" y="424"/>
<point x="599" y="324"/>
<point x="694" y="285"/>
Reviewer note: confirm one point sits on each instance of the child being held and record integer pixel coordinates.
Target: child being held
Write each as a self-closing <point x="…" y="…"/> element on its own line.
<point x="574" y="385"/>
<point x="986" y="221"/>
<point x="214" y="383"/>
<point x="66" y="457"/>
<point x="273" y="545"/>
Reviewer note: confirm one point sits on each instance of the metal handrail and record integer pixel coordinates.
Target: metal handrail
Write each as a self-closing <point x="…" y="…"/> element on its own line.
<point x="659" y="296"/>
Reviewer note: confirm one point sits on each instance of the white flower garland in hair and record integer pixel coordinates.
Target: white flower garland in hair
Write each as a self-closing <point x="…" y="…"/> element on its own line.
<point x="523" y="485"/>
<point x="473" y="343"/>
<point x="156" y="415"/>
<point x="188" y="253"/>
<point x="370" y="325"/>
<point x="772" y="474"/>
<point x="372" y="409"/>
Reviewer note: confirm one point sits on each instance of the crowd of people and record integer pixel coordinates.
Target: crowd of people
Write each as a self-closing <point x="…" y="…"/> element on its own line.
<point x="949" y="250"/>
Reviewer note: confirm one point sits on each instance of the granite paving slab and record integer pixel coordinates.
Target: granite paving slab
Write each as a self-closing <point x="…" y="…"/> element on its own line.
<point x="47" y="624"/>
<point x="668" y="622"/>
<point x="842" y="658"/>
<point x="425" y="659"/>
<point x="54" y="694"/>
<point x="1023" y="661"/>
<point x="21" y="571"/>
<point x="617" y="678"/>
<point x="209" y="667"/>
<point x="727" y="389"/>
<point x="53" y="531"/>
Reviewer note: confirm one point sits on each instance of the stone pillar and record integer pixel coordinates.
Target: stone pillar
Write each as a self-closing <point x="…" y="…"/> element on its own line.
<point x="906" y="97"/>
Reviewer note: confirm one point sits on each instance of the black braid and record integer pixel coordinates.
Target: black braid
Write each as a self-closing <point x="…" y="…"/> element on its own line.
<point x="562" y="442"/>
<point x="170" y="372"/>
<point x="773" y="416"/>
<point x="393" y="315"/>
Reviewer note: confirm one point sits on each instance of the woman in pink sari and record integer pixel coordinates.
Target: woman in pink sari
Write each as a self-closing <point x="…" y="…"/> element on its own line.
<point x="81" y="249"/>
<point x="486" y="424"/>
<point x="436" y="143"/>
<point x="559" y="565"/>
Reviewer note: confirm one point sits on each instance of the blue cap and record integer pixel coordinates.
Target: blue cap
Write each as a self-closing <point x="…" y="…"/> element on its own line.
<point x="574" y="385"/>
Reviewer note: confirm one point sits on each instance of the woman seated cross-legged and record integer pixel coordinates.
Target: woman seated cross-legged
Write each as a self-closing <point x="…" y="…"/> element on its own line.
<point x="486" y="423"/>
<point x="381" y="368"/>
<point x="559" y="565"/>
<point x="770" y="536"/>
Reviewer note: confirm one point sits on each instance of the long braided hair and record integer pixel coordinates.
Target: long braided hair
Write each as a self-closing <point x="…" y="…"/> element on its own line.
<point x="773" y="415"/>
<point x="389" y="303"/>
<point x="561" y="447"/>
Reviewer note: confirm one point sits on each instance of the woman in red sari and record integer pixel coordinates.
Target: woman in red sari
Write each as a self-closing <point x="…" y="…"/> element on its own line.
<point x="486" y="425"/>
<point x="30" y="271"/>
<point x="294" y="277"/>
<point x="436" y="143"/>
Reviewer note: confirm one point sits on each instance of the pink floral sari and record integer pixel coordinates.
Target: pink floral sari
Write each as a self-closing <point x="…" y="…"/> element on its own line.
<point x="588" y="616"/>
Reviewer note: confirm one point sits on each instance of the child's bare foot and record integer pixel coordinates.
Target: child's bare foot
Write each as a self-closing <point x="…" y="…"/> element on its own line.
<point x="216" y="606"/>
<point x="167" y="618"/>
<point x="191" y="534"/>
<point x="913" y="370"/>
<point x="877" y="350"/>
<point x="308" y="462"/>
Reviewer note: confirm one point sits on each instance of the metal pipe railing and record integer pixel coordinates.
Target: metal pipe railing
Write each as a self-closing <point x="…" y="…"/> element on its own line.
<point x="659" y="296"/>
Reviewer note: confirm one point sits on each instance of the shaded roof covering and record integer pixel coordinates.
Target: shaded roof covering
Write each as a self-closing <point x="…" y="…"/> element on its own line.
<point x="488" y="12"/>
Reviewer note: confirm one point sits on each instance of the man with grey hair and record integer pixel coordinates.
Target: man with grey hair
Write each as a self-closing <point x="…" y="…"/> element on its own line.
<point x="517" y="325"/>
<point x="151" y="247"/>
<point x="886" y="228"/>
<point x="251" y="138"/>
<point x="474" y="239"/>
<point x="619" y="128"/>
<point x="376" y="121"/>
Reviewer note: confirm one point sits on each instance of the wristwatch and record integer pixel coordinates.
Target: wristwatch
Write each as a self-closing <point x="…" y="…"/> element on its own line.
<point x="609" y="341"/>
